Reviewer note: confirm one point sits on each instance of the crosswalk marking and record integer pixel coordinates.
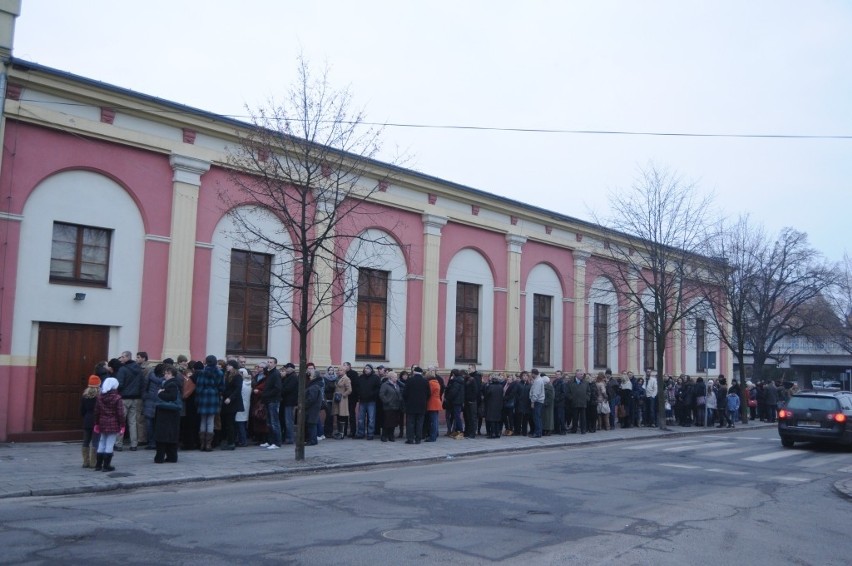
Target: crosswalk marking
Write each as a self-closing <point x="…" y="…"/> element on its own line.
<point x="768" y="457"/>
<point x="696" y="446"/>
<point x="846" y="470"/>
<point x="727" y="451"/>
<point x="659" y="444"/>
<point x="729" y="472"/>
<point x="682" y="466"/>
<point x="790" y="478"/>
<point x="820" y="461"/>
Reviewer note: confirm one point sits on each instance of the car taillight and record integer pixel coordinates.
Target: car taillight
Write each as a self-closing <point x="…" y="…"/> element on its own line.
<point x="838" y="417"/>
<point x="783" y="413"/>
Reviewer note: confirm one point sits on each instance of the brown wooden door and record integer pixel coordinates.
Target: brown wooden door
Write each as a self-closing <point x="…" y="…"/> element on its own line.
<point x="67" y="354"/>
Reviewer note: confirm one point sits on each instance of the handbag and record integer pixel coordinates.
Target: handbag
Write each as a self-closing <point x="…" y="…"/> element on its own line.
<point x="259" y="412"/>
<point x="752" y="402"/>
<point x="338" y="397"/>
<point x="603" y="408"/>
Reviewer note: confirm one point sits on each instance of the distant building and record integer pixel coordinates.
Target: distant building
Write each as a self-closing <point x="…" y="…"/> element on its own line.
<point x="114" y="238"/>
<point x="807" y="363"/>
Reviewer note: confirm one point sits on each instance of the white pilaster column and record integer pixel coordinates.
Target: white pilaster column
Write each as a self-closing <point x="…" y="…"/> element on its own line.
<point x="580" y="331"/>
<point x="432" y="226"/>
<point x="678" y="354"/>
<point x="319" y="351"/>
<point x="635" y="328"/>
<point x="514" y="244"/>
<point x="185" y="186"/>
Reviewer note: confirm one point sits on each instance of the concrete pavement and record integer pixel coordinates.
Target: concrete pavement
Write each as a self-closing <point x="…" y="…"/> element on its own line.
<point x="54" y="468"/>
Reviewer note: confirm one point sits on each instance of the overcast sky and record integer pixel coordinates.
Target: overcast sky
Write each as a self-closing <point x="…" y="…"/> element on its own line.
<point x="679" y="66"/>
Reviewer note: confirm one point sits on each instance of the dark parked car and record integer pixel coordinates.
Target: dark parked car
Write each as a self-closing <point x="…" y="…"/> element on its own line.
<point x="817" y="417"/>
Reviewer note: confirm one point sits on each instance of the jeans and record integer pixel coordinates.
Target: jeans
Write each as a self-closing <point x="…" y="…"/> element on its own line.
<point x="274" y="424"/>
<point x="537" y="409"/>
<point x="559" y="418"/>
<point x="320" y="426"/>
<point x="131" y="410"/>
<point x="106" y="442"/>
<point x="289" y="425"/>
<point x="470" y="418"/>
<point x="652" y="410"/>
<point x="458" y="422"/>
<point x="206" y="424"/>
<point x="433" y="425"/>
<point x="242" y="433"/>
<point x="366" y="410"/>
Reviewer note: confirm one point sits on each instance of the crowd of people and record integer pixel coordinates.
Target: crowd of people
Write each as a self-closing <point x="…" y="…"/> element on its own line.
<point x="221" y="403"/>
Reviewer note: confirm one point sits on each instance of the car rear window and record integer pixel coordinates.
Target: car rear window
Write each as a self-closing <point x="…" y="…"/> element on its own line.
<point x="813" y="403"/>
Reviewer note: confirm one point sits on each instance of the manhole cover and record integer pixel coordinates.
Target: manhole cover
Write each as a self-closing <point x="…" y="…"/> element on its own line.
<point x="410" y="535"/>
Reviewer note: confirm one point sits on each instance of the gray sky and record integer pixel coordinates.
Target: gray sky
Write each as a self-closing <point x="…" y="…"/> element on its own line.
<point x="679" y="66"/>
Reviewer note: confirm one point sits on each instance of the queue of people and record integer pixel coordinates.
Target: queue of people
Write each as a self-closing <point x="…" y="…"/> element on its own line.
<point x="222" y="404"/>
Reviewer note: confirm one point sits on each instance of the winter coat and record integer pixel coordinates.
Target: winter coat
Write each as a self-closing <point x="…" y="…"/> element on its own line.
<point x="233" y="390"/>
<point x="577" y="394"/>
<point x="245" y="391"/>
<point x="524" y="405"/>
<point x="153" y="385"/>
<point x="454" y="393"/>
<point x="434" y="401"/>
<point x="494" y="401"/>
<point x="130" y="383"/>
<point x="313" y="401"/>
<point x="208" y="386"/>
<point x="416" y="395"/>
<point x="558" y="391"/>
<point x="87" y="406"/>
<point x="510" y="395"/>
<point x="391" y="396"/>
<point x="537" y="390"/>
<point x="167" y="420"/>
<point x="471" y="391"/>
<point x="344" y="388"/>
<point x="770" y="394"/>
<point x="289" y="388"/>
<point x="368" y="385"/>
<point x="547" y="412"/>
<point x="733" y="401"/>
<point x="272" y="389"/>
<point x="109" y="412"/>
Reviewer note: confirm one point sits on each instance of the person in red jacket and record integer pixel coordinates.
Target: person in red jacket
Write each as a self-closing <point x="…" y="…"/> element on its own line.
<point x="109" y="423"/>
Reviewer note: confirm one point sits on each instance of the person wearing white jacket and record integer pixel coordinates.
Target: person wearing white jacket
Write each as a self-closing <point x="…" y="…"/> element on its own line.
<point x="651" y="397"/>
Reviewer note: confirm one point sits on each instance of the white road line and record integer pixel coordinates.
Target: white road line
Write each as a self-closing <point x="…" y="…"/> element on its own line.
<point x="789" y="478"/>
<point x="847" y="470"/>
<point x="697" y="446"/>
<point x="821" y="461"/>
<point x="768" y="457"/>
<point x="727" y="451"/>
<point x="659" y="444"/>
<point x="729" y="472"/>
<point x="682" y="466"/>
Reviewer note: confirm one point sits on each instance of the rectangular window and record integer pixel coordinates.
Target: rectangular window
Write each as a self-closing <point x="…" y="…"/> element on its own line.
<point x="370" y="334"/>
<point x="467" y="323"/>
<point x="700" y="344"/>
<point x="79" y="254"/>
<point x="541" y="329"/>
<point x="650" y="343"/>
<point x="248" y="303"/>
<point x="601" y="335"/>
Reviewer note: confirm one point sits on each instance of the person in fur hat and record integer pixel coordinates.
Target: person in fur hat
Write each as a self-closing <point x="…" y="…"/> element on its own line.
<point x="87" y="411"/>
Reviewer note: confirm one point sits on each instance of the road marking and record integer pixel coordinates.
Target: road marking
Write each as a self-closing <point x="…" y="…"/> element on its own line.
<point x="768" y="457"/>
<point x="682" y="466"/>
<point x="696" y="446"/>
<point x="820" y="461"/>
<point x="729" y="472"/>
<point x="790" y="478"/>
<point x="847" y="469"/>
<point x="728" y="451"/>
<point x="659" y="444"/>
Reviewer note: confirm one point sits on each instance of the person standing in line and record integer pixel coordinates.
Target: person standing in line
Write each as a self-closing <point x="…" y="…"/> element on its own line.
<point x="87" y="411"/>
<point x="270" y="396"/>
<point x="166" y="429"/>
<point x="391" y="399"/>
<point x="416" y="396"/>
<point x="110" y="417"/>
<point x="208" y="388"/>
<point x="340" y="402"/>
<point x="130" y="388"/>
<point x="241" y="418"/>
<point x="537" y="402"/>
<point x="232" y="403"/>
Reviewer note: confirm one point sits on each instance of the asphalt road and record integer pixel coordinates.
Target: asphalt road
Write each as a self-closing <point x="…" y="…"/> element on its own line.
<point x="719" y="499"/>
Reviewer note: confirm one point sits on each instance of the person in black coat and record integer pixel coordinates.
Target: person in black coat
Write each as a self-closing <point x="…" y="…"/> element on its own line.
<point x="313" y="404"/>
<point x="367" y="385"/>
<point x="559" y="404"/>
<point x="167" y="418"/>
<point x="454" y="397"/>
<point x="415" y="396"/>
<point x="353" y="398"/>
<point x="232" y="403"/>
<point x="493" y="397"/>
<point x="510" y="402"/>
<point x="523" y="408"/>
<point x="471" y="404"/>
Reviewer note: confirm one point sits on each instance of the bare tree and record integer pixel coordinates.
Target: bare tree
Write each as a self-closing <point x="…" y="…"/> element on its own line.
<point x="769" y="291"/>
<point x="308" y="160"/>
<point x="657" y="265"/>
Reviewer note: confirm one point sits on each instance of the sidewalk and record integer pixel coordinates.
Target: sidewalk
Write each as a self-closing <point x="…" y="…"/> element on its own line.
<point x="54" y="468"/>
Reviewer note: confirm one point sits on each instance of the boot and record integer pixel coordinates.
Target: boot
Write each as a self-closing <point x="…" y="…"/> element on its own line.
<point x="209" y="447"/>
<point x="99" y="462"/>
<point x="92" y="455"/>
<point x="108" y="467"/>
<point x="87" y="463"/>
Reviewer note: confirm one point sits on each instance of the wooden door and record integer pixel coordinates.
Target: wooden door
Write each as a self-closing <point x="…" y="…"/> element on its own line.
<point x="67" y="354"/>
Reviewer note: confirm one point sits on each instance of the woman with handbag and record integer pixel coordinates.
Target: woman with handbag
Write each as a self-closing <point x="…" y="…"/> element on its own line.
<point x="166" y="426"/>
<point x="340" y="403"/>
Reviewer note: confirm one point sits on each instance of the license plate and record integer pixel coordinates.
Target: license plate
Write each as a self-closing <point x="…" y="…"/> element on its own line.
<point x="815" y="424"/>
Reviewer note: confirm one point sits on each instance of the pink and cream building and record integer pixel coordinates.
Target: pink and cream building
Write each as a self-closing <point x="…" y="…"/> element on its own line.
<point x="114" y="237"/>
